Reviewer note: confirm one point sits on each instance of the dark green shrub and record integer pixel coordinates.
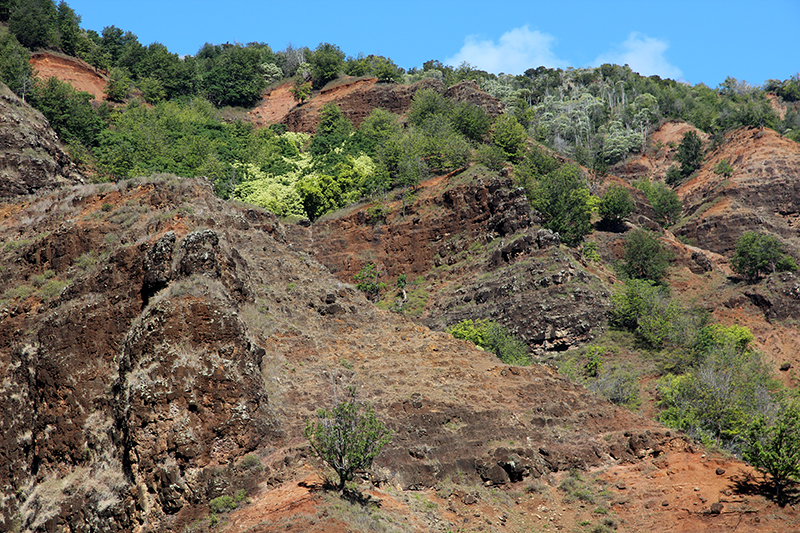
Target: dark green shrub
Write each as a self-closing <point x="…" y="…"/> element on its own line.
<point x="367" y="281"/>
<point x="616" y="204"/>
<point x="490" y="156"/>
<point x="665" y="202"/>
<point x="758" y="254"/>
<point x="222" y="504"/>
<point x="645" y="257"/>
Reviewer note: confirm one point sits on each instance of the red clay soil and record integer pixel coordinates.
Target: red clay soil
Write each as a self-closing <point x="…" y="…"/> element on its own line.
<point x="73" y="71"/>
<point x="278" y="102"/>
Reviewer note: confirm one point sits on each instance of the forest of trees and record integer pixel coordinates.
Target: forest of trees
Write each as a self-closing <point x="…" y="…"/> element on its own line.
<point x="596" y="116"/>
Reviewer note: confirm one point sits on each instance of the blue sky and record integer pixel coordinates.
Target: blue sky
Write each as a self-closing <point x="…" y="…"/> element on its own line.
<point x="698" y="41"/>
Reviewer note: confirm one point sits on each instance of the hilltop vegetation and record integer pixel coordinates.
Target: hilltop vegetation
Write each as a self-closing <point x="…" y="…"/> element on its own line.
<point x="596" y="116"/>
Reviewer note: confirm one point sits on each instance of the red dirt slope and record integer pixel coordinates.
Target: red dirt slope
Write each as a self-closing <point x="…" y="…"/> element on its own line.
<point x="73" y="71"/>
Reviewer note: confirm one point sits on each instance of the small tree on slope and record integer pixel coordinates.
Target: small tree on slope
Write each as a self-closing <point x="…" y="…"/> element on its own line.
<point x="347" y="437"/>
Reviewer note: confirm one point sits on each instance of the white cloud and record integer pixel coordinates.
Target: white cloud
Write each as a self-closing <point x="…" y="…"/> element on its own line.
<point x="644" y="55"/>
<point x="515" y="52"/>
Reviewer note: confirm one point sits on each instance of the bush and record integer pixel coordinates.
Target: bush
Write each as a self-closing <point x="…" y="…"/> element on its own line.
<point x="616" y="204"/>
<point x="471" y="121"/>
<point x="562" y="196"/>
<point x="347" y="437"/>
<point x="492" y="337"/>
<point x="758" y="254"/>
<point x="490" y="156"/>
<point x="222" y="504"/>
<point x="690" y="153"/>
<point x="774" y="448"/>
<point x="509" y="136"/>
<point x="645" y="257"/>
<point x="717" y="399"/>
<point x="367" y="281"/>
<point x="646" y="309"/>
<point x="665" y="202"/>
<point x="15" y="67"/>
<point x="617" y="385"/>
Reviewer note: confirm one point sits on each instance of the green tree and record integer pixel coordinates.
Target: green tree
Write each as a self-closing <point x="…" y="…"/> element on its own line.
<point x="724" y="168"/>
<point x="471" y="121"/>
<point x="774" y="448"/>
<point x="119" y="83"/>
<point x="758" y="254"/>
<point x="348" y="437"/>
<point x="509" y="135"/>
<point x="300" y="89"/>
<point x="367" y="281"/>
<point x="426" y="103"/>
<point x="15" y="67"/>
<point x="378" y="127"/>
<point x="233" y="77"/>
<point x="562" y="197"/>
<point x="645" y="257"/>
<point x="152" y="90"/>
<point x="333" y="130"/>
<point x="69" y="28"/>
<point x="34" y="23"/>
<point x="69" y="112"/>
<point x="327" y="62"/>
<point x="6" y="8"/>
<point x="616" y="204"/>
<point x="664" y="201"/>
<point x="387" y="71"/>
<point x="690" y="153"/>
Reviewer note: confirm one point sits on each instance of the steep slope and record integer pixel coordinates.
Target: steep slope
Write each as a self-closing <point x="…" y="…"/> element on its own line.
<point x="470" y="247"/>
<point x="762" y="194"/>
<point x="154" y="336"/>
<point x="357" y="97"/>
<point x="31" y="157"/>
<point x="71" y="70"/>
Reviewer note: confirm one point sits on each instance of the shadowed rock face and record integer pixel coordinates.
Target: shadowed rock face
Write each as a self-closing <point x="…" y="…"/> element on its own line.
<point x="31" y="157"/>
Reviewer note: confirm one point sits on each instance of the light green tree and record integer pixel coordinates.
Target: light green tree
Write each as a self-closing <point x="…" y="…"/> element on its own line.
<point x="348" y="437"/>
<point x="774" y="448"/>
<point x="508" y="134"/>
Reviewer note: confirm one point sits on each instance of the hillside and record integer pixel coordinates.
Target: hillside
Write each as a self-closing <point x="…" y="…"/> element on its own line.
<point x="166" y="347"/>
<point x="162" y="348"/>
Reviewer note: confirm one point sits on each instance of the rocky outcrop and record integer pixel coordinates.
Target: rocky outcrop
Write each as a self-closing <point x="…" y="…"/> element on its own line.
<point x="469" y="91"/>
<point x="31" y="157"/>
<point x="156" y="357"/>
<point x="474" y="251"/>
<point x="763" y="194"/>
